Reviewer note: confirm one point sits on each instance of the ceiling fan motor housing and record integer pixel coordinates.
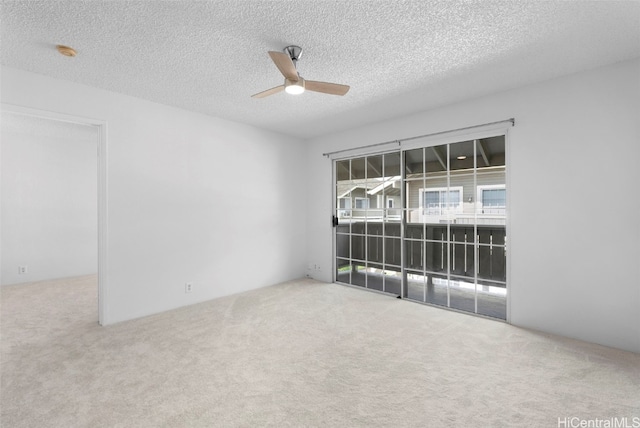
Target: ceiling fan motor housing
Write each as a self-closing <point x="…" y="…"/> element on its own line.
<point x="294" y="52"/>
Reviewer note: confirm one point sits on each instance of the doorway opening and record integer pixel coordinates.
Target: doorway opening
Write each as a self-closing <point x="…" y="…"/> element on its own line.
<point x="53" y="200"/>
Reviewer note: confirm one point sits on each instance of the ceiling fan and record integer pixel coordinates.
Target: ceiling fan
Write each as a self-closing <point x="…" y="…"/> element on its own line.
<point x="294" y="83"/>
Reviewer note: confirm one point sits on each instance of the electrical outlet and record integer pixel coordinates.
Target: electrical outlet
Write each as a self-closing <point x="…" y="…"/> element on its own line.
<point x="188" y="287"/>
<point x="23" y="270"/>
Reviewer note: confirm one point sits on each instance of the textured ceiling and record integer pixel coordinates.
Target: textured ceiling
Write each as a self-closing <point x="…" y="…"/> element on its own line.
<point x="398" y="56"/>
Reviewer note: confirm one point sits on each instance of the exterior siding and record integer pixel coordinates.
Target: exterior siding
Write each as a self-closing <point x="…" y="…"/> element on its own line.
<point x="464" y="180"/>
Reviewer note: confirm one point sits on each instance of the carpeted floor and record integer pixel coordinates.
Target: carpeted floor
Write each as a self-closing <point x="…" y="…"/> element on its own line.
<point x="303" y="353"/>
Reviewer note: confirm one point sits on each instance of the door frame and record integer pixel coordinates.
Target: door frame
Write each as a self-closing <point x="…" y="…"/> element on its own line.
<point x="447" y="137"/>
<point x="102" y="191"/>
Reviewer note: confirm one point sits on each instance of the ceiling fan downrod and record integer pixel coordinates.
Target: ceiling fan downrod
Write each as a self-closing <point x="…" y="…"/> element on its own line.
<point x="294" y="53"/>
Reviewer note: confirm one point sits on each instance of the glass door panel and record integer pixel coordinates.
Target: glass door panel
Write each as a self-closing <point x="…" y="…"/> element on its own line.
<point x="491" y="238"/>
<point x="369" y="192"/>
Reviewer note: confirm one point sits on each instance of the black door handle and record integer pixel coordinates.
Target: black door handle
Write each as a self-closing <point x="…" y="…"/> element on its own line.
<point x="334" y="221"/>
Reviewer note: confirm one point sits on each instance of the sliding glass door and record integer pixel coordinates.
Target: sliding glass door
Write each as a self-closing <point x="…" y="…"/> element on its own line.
<point x="368" y="222"/>
<point x="427" y="224"/>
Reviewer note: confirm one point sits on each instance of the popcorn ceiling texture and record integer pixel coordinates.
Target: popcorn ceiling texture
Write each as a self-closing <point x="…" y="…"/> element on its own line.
<point x="398" y="56"/>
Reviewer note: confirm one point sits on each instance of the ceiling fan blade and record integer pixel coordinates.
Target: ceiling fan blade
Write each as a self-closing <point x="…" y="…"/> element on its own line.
<point x="285" y="65"/>
<point x="268" y="92"/>
<point x="326" y="88"/>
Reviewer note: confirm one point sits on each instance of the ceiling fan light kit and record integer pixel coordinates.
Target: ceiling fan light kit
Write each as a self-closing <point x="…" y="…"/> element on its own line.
<point x="294" y="84"/>
<point x="294" y="87"/>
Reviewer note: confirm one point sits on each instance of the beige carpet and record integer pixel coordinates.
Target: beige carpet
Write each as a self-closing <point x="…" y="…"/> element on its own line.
<point x="303" y="353"/>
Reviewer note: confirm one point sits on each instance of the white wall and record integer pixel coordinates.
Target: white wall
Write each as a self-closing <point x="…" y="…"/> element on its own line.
<point x="190" y="197"/>
<point x="572" y="273"/>
<point x="49" y="199"/>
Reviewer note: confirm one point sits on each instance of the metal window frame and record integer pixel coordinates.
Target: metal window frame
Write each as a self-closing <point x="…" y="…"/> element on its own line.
<point x="493" y="129"/>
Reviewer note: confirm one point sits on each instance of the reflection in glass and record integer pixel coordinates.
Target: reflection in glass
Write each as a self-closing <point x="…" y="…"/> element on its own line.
<point x="492" y="300"/>
<point x="375" y="277"/>
<point x="415" y="285"/>
<point x="343" y="271"/>
<point x="359" y="275"/>
<point x="436" y="291"/>
<point x="393" y="281"/>
<point x="462" y="292"/>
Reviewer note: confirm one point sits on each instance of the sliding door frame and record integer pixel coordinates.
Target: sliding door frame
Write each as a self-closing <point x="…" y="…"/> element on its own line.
<point x="481" y="132"/>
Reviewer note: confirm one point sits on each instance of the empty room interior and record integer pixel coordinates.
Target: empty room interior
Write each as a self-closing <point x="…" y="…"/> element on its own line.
<point x="320" y="213"/>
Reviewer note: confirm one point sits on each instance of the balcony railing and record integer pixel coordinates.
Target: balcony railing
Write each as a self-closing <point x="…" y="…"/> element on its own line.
<point x="436" y="249"/>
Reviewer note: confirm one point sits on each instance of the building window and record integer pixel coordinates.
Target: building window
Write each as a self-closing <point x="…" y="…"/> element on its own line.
<point x="390" y="203"/>
<point x="344" y="207"/>
<point x="362" y="203"/>
<point x="440" y="200"/>
<point x="492" y="199"/>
